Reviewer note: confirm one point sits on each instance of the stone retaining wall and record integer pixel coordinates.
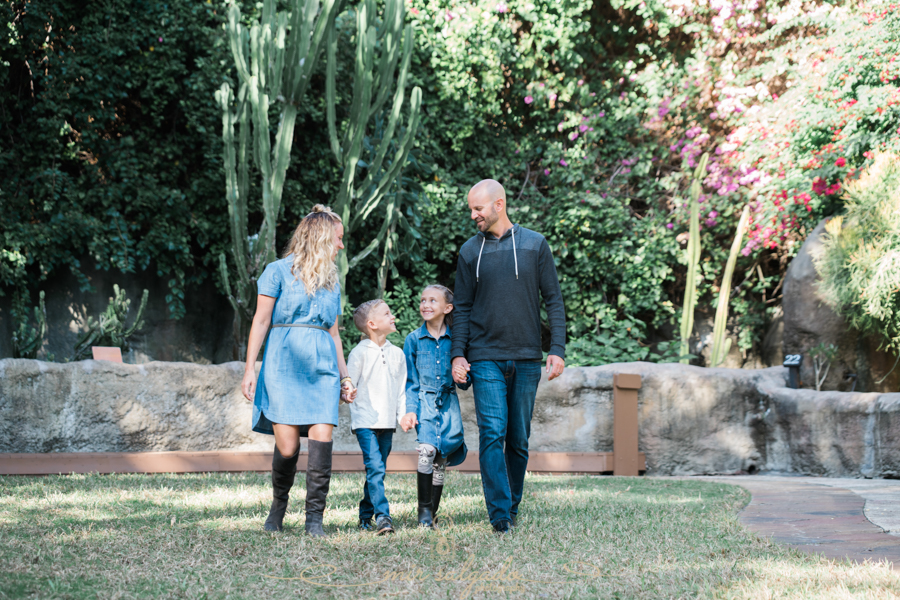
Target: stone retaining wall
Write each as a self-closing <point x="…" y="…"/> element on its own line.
<point x="692" y="420"/>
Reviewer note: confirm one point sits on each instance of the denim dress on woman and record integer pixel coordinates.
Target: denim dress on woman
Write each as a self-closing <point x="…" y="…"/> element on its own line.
<point x="298" y="382"/>
<point x="431" y="394"/>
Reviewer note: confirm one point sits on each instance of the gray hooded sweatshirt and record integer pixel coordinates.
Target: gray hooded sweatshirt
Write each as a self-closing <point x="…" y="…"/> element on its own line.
<point x="497" y="298"/>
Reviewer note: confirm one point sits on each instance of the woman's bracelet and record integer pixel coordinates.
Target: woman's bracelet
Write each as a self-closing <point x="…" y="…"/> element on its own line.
<point x="348" y="378"/>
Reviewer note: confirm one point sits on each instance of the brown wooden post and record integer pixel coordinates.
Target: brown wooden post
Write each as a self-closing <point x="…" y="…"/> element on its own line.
<point x="625" y="424"/>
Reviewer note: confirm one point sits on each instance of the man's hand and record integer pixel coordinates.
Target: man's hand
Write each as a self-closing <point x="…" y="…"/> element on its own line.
<point x="555" y="366"/>
<point x="408" y="421"/>
<point x="460" y="369"/>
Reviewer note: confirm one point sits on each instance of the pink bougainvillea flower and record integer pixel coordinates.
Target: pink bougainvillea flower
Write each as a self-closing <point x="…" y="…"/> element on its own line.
<point x="561" y="126"/>
<point x="840" y="162"/>
<point x="414" y="11"/>
<point x="714" y="116"/>
<point x="563" y="162"/>
<point x="583" y="128"/>
<point x="581" y="82"/>
<point x="502" y="8"/>
<point x="160" y="40"/>
<point x="529" y="99"/>
<point x="546" y="171"/>
<point x="573" y="136"/>
<point x="602" y="114"/>
<point x="670" y="225"/>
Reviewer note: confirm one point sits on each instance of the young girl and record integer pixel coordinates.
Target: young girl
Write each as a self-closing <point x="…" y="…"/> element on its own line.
<point x="431" y="402"/>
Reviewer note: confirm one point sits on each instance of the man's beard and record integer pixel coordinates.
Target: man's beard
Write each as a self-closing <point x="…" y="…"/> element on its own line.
<point x="488" y="222"/>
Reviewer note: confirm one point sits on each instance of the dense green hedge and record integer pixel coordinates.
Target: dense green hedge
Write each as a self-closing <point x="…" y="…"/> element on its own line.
<point x="589" y="111"/>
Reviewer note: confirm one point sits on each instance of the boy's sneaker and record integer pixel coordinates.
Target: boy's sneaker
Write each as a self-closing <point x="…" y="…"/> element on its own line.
<point x="384" y="525"/>
<point x="503" y="526"/>
<point x="366" y="525"/>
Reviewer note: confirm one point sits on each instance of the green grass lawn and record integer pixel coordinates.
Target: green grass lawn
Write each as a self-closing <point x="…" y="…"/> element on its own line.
<point x="200" y="536"/>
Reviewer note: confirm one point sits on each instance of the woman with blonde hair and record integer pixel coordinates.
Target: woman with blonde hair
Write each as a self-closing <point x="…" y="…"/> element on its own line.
<point x="303" y="376"/>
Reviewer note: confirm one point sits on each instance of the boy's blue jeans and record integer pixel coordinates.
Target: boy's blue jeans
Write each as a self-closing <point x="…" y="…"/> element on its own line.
<point x="504" y="403"/>
<point x="376" y="446"/>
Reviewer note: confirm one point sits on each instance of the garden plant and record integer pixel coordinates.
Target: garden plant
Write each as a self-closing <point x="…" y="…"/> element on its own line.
<point x="592" y="113"/>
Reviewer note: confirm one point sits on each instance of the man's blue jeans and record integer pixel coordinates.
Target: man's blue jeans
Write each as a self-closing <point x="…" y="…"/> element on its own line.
<point x="504" y="402"/>
<point x="375" y="445"/>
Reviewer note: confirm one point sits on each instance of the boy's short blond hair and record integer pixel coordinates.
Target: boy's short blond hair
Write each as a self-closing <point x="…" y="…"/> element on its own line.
<point x="362" y="312"/>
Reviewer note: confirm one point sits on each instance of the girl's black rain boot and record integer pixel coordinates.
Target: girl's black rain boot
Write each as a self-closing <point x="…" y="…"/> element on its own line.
<point x="423" y="484"/>
<point x="283" y="471"/>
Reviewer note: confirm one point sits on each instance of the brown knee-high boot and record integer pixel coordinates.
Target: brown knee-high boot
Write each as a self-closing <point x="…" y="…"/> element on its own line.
<point x="318" y="480"/>
<point x="283" y="471"/>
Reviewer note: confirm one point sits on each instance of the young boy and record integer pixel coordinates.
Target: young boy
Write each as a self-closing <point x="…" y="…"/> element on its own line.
<point x="378" y="371"/>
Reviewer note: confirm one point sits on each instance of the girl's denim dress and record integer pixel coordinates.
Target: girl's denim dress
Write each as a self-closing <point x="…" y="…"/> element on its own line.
<point x="431" y="394"/>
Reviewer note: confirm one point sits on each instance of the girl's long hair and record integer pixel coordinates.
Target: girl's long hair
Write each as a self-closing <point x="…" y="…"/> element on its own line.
<point x="313" y="248"/>
<point x="448" y="298"/>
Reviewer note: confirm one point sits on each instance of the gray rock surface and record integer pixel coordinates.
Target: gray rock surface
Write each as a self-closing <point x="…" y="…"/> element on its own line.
<point x="693" y="420"/>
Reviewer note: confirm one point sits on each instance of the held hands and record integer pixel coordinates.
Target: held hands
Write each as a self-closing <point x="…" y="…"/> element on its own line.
<point x="461" y="369"/>
<point x="555" y="366"/>
<point x="348" y="392"/>
<point x="408" y="421"/>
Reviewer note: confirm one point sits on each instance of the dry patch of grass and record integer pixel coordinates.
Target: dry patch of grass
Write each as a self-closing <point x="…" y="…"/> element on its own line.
<point x="200" y="536"/>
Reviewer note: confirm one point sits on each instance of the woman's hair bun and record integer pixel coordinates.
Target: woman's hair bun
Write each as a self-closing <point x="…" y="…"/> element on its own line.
<point x="321" y="208"/>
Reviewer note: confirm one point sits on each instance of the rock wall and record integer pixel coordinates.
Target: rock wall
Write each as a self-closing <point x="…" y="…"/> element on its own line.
<point x="693" y="420"/>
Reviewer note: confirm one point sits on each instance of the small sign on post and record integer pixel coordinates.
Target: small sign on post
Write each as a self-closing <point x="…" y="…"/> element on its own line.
<point x="110" y="353"/>
<point x="625" y="424"/>
<point x="793" y="362"/>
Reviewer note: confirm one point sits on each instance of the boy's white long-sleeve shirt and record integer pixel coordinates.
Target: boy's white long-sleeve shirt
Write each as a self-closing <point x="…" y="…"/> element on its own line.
<point x="379" y="375"/>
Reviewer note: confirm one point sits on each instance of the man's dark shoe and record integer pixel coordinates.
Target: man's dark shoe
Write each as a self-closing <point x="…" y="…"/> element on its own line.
<point x="366" y="525"/>
<point x="502" y="526"/>
<point x="512" y="520"/>
<point x="384" y="525"/>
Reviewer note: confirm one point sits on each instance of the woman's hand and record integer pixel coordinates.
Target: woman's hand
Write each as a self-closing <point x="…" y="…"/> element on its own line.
<point x="348" y="392"/>
<point x="248" y="385"/>
<point x="408" y="421"/>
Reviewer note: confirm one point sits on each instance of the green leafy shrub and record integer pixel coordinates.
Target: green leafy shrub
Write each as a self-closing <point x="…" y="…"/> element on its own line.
<point x="859" y="260"/>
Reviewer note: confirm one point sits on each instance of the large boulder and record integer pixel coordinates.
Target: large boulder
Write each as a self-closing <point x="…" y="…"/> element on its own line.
<point x="808" y="321"/>
<point x="692" y="420"/>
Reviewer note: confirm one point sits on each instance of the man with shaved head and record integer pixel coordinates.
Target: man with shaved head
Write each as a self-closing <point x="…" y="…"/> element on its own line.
<point x="503" y="273"/>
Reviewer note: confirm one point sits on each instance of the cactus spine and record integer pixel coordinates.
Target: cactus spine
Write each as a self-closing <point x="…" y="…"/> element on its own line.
<point x="721" y="345"/>
<point x="27" y="341"/>
<point x="692" y="256"/>
<point x="274" y="63"/>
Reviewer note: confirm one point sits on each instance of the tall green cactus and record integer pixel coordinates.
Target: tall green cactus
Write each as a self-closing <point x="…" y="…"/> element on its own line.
<point x="274" y="62"/>
<point x="26" y="340"/>
<point x="692" y="256"/>
<point x="721" y="345"/>
<point x="380" y="46"/>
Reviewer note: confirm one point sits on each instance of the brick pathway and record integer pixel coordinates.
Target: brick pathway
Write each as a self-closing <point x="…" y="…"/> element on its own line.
<point x="823" y="516"/>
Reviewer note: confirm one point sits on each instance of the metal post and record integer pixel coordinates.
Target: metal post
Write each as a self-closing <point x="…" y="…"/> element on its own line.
<point x="625" y="424"/>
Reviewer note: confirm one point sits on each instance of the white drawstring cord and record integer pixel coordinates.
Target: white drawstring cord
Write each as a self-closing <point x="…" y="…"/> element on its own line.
<point x="478" y="266"/>
<point x="515" y="256"/>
